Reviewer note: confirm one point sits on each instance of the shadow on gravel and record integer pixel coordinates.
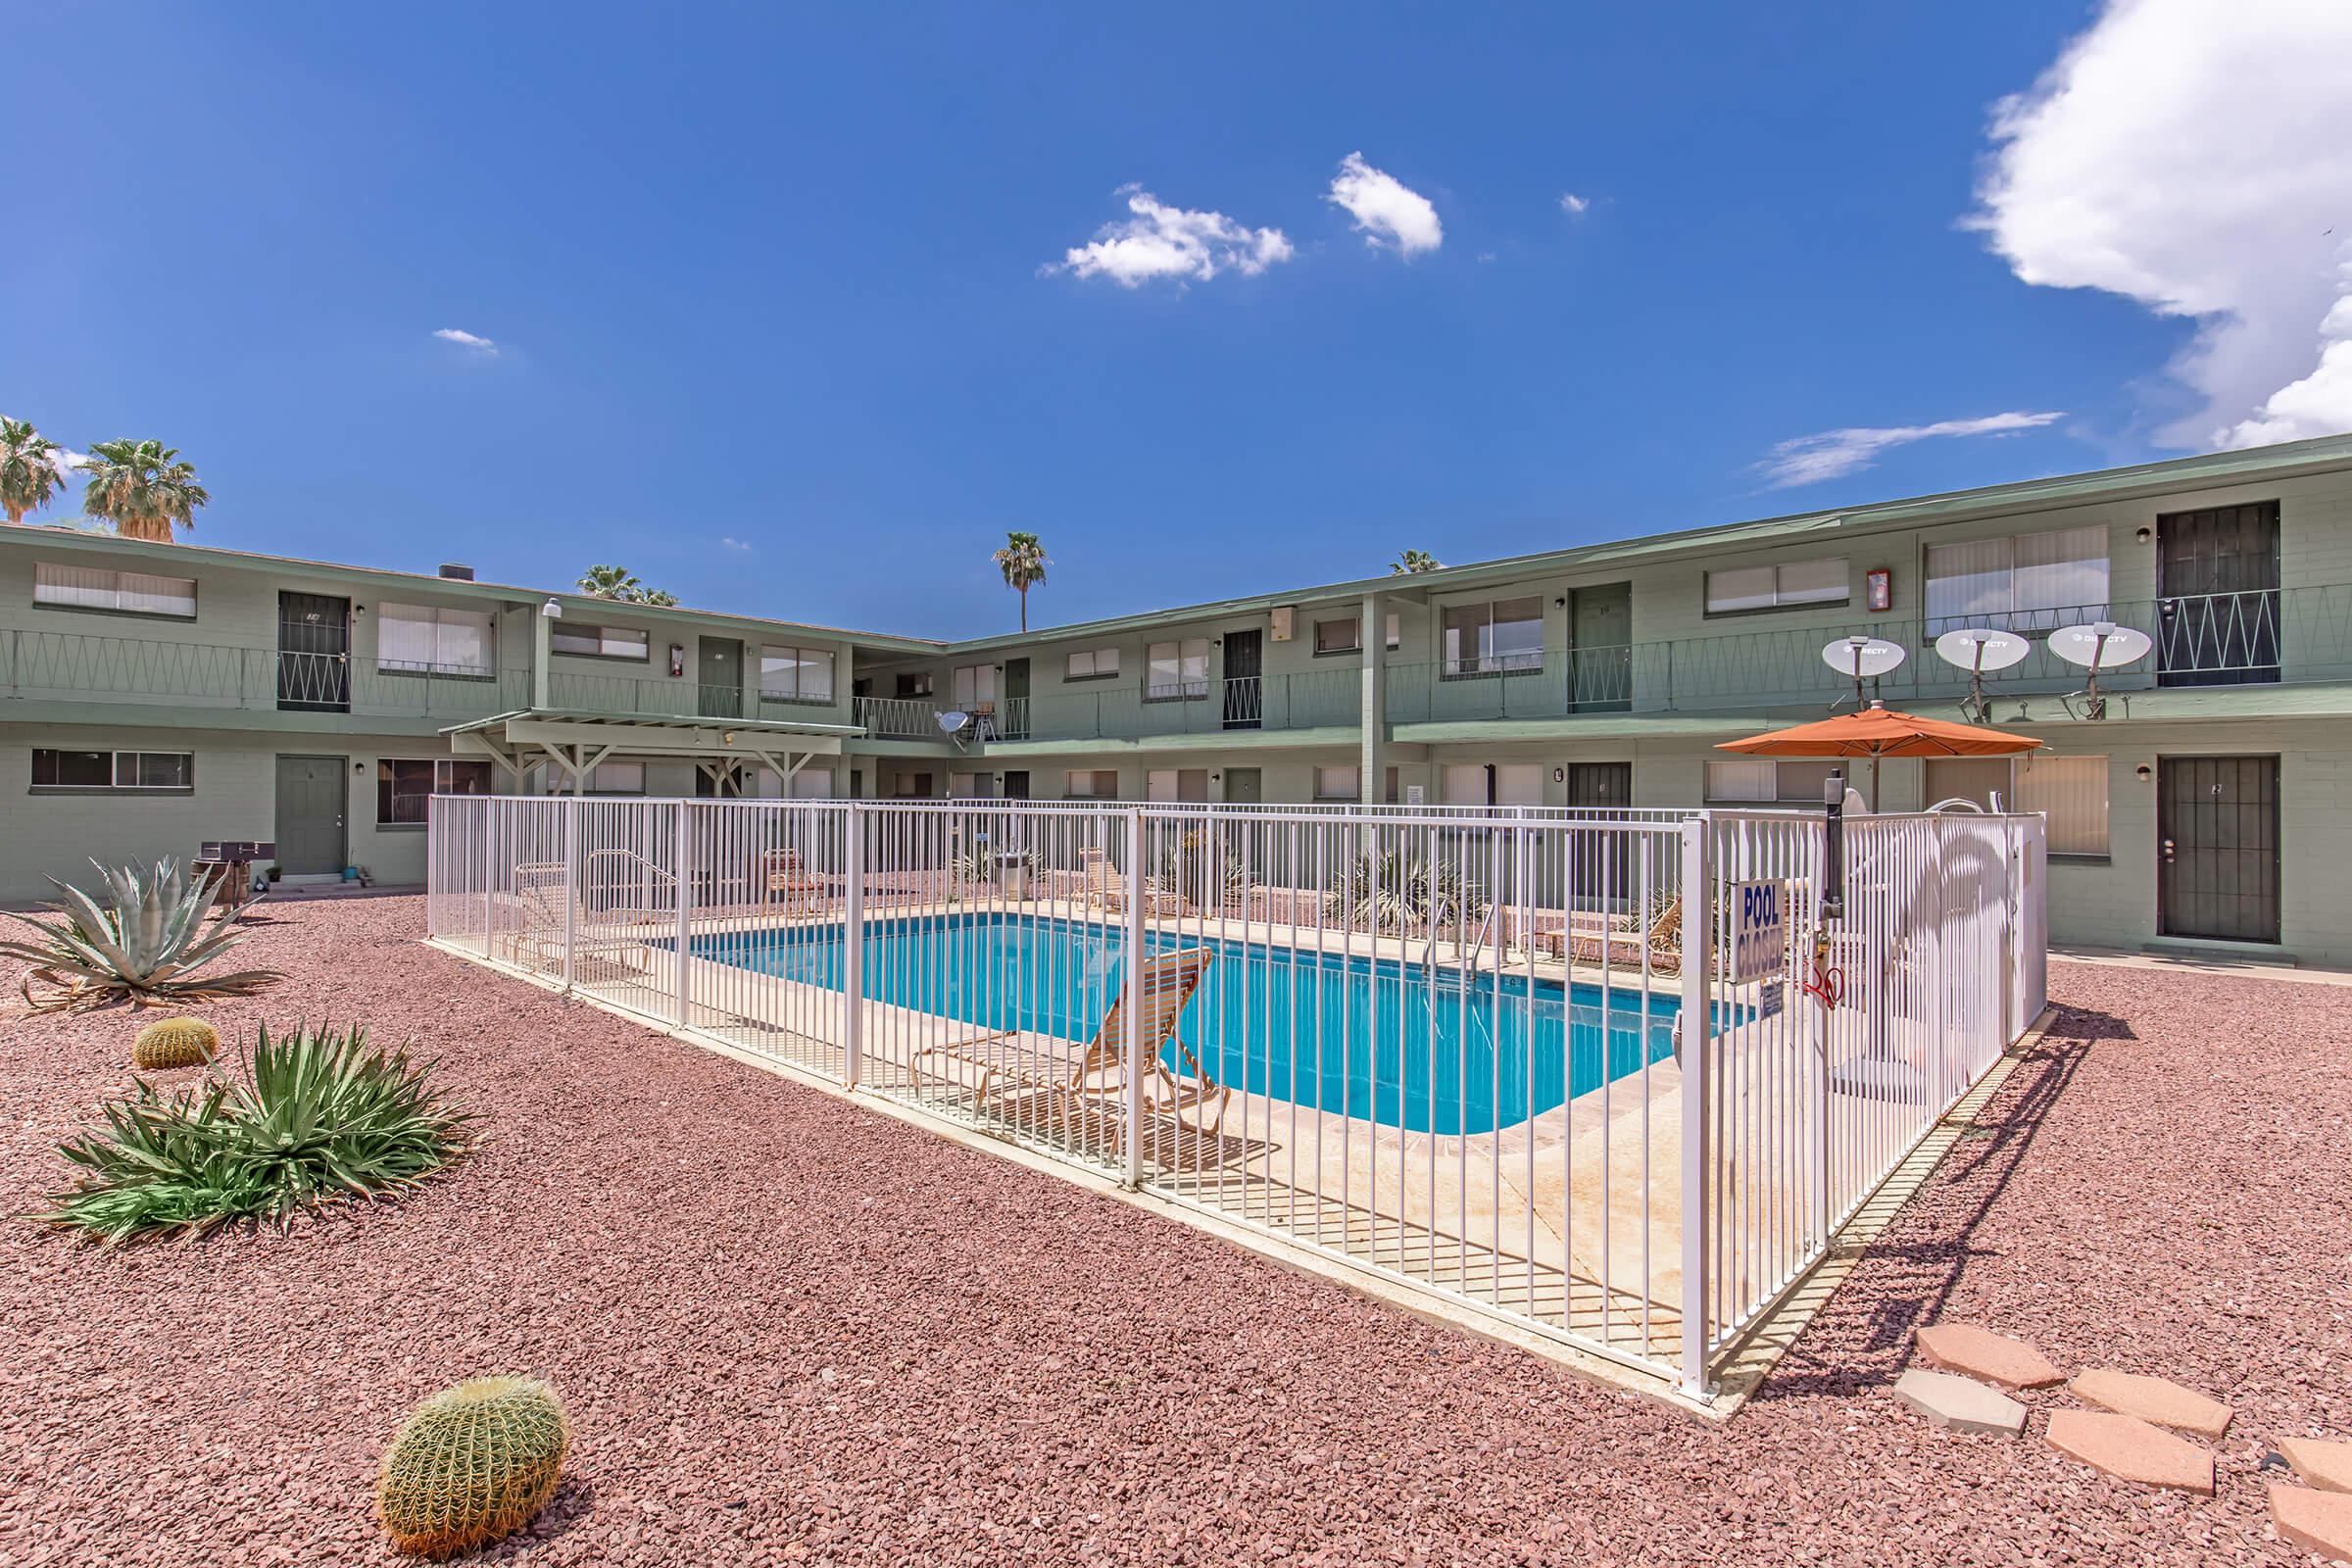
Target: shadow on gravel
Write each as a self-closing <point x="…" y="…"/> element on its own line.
<point x="574" y="1500"/>
<point x="1862" y="1338"/>
<point x="2089" y="1027"/>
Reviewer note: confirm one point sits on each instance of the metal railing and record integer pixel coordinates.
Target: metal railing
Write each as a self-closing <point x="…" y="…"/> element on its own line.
<point x="81" y="667"/>
<point x="1453" y="1050"/>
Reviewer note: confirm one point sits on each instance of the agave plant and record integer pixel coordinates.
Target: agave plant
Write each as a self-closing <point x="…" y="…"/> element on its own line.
<point x="311" y="1117"/>
<point x="145" y="942"/>
<point x="1404" y="896"/>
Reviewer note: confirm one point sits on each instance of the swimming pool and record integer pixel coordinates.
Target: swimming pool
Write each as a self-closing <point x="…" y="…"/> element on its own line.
<point x="1380" y="1040"/>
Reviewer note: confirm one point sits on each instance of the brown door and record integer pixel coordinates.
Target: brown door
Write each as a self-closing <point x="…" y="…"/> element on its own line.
<point x="2217" y="596"/>
<point x="2217" y="847"/>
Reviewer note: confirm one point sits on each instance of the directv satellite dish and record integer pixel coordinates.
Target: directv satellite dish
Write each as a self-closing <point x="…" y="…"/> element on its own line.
<point x="952" y="722"/>
<point x="1977" y="650"/>
<point x="1862" y="658"/>
<point x="2101" y="645"/>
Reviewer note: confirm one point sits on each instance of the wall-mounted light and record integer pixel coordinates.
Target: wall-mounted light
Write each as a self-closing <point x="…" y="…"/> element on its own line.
<point x="2145" y="534"/>
<point x="2145" y="772"/>
<point x="1559" y="776"/>
<point x="551" y="610"/>
<point x="1560" y="603"/>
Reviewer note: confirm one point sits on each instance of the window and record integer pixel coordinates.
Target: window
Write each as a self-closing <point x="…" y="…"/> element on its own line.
<point x="911" y="684"/>
<point x="1090" y="785"/>
<point x="2033" y="582"/>
<point x="2073" y="791"/>
<point x="976" y="686"/>
<point x="1505" y="634"/>
<point x="597" y="642"/>
<point x="796" y="674"/>
<point x="420" y="640"/>
<point x="1347" y="636"/>
<point x="1778" y="587"/>
<point x="908" y="786"/>
<point x="1338" y="783"/>
<point x="1090" y="663"/>
<point x="1176" y="784"/>
<point x="129" y="593"/>
<point x="113" y="770"/>
<point x="1760" y="780"/>
<point x="973" y="786"/>
<point x="1514" y="784"/>
<point x="606" y="779"/>
<point x="1177" y="669"/>
<point x="808" y="784"/>
<point x="1970" y="778"/>
<point x="403" y="790"/>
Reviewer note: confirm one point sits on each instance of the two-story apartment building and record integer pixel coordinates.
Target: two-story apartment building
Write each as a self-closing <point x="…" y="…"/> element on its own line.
<point x="2201" y="807"/>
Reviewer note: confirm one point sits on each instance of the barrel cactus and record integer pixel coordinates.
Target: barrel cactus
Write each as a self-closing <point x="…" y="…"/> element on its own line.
<point x="473" y="1463"/>
<point x="174" y="1043"/>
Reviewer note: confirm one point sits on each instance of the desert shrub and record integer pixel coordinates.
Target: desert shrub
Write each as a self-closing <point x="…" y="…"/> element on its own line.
<point x="144" y="940"/>
<point x="307" y="1118"/>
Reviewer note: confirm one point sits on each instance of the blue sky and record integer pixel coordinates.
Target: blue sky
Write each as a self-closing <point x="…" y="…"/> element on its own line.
<point x="774" y="317"/>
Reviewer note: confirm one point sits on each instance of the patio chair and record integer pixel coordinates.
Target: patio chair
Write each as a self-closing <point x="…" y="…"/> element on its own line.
<point x="785" y="876"/>
<point x="1594" y="938"/>
<point x="1069" y="1081"/>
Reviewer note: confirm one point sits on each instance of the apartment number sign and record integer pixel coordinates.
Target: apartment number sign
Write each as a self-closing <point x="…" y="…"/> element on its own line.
<point x="1759" y="933"/>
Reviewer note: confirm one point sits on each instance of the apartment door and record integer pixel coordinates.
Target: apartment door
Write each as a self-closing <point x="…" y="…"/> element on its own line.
<point x="1243" y="786"/>
<point x="1013" y="716"/>
<point x="314" y="653"/>
<point x="1016" y="784"/>
<point x="1600" y="857"/>
<point x="2217" y="847"/>
<point x="1245" y="679"/>
<point x="2217" y="596"/>
<point x="311" y="802"/>
<point x="720" y="669"/>
<point x="1600" y="638"/>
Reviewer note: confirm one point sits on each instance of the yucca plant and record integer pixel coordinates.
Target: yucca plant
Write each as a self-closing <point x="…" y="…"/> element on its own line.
<point x="308" y="1118"/>
<point x="1398" y="894"/>
<point x="145" y="942"/>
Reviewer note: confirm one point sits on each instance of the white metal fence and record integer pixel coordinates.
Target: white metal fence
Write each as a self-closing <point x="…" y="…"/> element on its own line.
<point x="1454" y="1048"/>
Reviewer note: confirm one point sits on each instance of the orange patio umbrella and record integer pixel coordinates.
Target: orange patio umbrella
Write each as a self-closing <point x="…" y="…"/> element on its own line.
<point x="1881" y="731"/>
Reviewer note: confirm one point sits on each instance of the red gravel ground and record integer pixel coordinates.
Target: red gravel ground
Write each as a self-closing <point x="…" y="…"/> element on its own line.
<point x="790" y="1330"/>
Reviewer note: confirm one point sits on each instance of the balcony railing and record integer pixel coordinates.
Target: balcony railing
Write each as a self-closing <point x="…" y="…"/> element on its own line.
<point x="2253" y="638"/>
<point x="78" y="667"/>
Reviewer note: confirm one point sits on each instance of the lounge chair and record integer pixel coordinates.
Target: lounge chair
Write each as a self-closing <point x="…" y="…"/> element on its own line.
<point x="1103" y="888"/>
<point x="1069" y="1082"/>
<point x="1595" y="938"/>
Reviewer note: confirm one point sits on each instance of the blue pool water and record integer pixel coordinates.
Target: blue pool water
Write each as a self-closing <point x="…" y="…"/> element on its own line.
<point x="1318" y="1029"/>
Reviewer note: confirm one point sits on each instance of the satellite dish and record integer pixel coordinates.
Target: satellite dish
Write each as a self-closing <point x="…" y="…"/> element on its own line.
<point x="1977" y="649"/>
<point x="2101" y="645"/>
<point x="1980" y="649"/>
<point x="952" y="720"/>
<point x="1862" y="657"/>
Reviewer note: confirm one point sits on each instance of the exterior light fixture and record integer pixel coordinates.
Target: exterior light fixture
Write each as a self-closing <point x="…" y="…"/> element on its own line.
<point x="2145" y="534"/>
<point x="2146" y="773"/>
<point x="551" y="610"/>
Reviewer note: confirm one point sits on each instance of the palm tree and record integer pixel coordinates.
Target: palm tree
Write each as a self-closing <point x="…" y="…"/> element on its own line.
<point x="33" y="468"/>
<point x="142" y="488"/>
<point x="611" y="582"/>
<point x="621" y="584"/>
<point x="1023" y="563"/>
<point x="1412" y="562"/>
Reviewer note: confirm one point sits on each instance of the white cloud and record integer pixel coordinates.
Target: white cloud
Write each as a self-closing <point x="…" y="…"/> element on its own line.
<point x="732" y="543"/>
<point x="1832" y="454"/>
<point x="2197" y="165"/>
<point x="1389" y="212"/>
<point x="1163" y="242"/>
<point x="1575" y="206"/>
<point x="450" y="334"/>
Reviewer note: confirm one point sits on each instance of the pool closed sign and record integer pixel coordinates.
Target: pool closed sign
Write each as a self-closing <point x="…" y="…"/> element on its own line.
<point x="1758" y="939"/>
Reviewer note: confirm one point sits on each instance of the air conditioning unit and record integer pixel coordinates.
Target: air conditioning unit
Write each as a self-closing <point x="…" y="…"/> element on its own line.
<point x="1285" y="623"/>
